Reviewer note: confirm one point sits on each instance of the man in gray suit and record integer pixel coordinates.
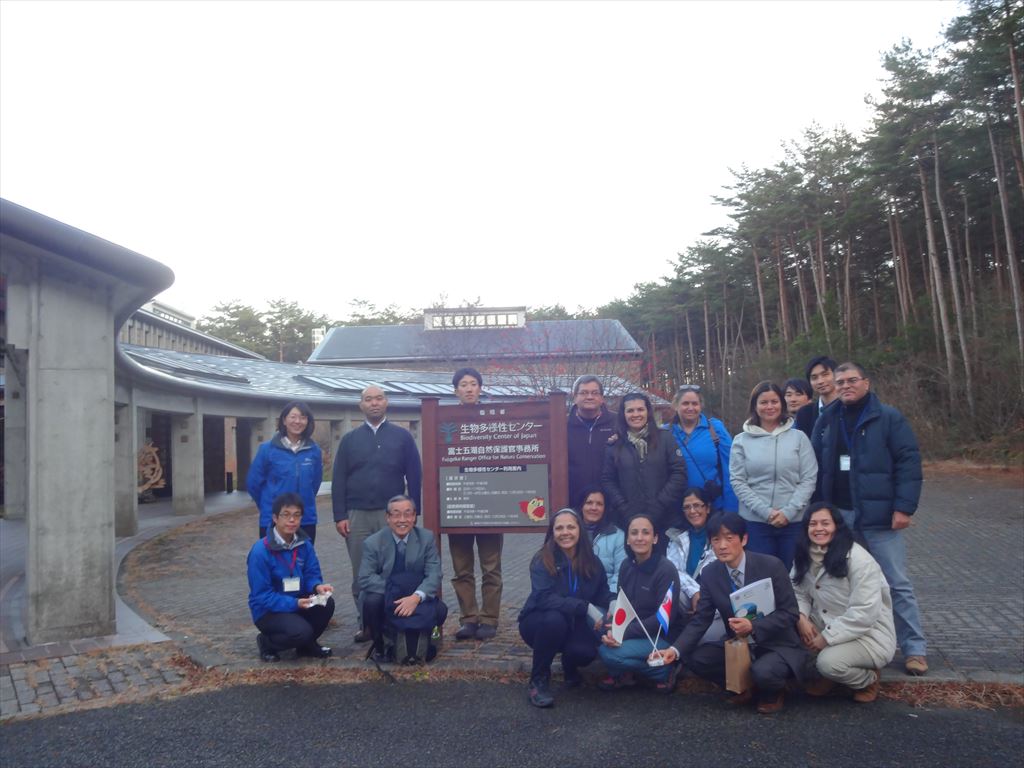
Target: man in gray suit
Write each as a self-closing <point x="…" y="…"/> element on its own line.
<point x="400" y="553"/>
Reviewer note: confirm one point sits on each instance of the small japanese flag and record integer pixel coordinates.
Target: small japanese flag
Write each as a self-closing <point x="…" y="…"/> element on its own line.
<point x="665" y="610"/>
<point x="622" y="616"/>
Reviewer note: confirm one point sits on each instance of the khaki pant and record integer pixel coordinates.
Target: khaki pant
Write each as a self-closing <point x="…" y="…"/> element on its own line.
<point x="362" y="523"/>
<point x="848" y="664"/>
<point x="464" y="583"/>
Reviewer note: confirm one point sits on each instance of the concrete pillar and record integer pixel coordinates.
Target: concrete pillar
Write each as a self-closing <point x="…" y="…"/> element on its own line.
<point x="126" y="448"/>
<point x="65" y="322"/>
<point x="15" y="436"/>
<point x="262" y="430"/>
<point x="337" y="432"/>
<point x="187" y="462"/>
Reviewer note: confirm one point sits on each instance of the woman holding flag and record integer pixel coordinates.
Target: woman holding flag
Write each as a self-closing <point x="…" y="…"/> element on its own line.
<point x="566" y="579"/>
<point x="644" y="617"/>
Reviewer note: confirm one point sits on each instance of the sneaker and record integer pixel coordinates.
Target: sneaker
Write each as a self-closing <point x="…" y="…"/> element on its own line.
<point x="316" y="651"/>
<point x="264" y="645"/>
<point x="362" y="636"/>
<point x="869" y="693"/>
<point x="539" y="693"/>
<point x="486" y="632"/>
<point x="467" y="631"/>
<point x="610" y="682"/>
<point x="916" y="666"/>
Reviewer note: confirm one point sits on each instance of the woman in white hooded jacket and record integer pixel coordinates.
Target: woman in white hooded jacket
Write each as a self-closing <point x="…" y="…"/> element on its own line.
<point x="845" y="606"/>
<point x="773" y="472"/>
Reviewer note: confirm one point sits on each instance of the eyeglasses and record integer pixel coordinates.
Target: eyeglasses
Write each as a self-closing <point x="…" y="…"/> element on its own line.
<point x="689" y="388"/>
<point x="849" y="382"/>
<point x="290" y="515"/>
<point x="589" y="393"/>
<point x="694" y="507"/>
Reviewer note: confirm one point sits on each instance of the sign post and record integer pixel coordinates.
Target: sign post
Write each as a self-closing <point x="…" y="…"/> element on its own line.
<point x="494" y="467"/>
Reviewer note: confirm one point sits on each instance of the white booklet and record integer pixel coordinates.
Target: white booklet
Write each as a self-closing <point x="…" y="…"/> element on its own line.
<point x="752" y="601"/>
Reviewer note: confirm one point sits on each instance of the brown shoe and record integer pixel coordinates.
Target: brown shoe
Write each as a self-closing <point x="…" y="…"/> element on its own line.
<point x="822" y="686"/>
<point x="916" y="665"/>
<point x="739" y="699"/>
<point x="771" y="706"/>
<point x="869" y="693"/>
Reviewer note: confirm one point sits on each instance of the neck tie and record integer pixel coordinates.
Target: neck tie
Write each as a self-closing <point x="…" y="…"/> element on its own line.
<point x="399" y="558"/>
<point x="737" y="577"/>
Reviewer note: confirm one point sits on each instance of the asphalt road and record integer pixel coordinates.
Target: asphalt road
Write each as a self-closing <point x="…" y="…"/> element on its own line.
<point x="471" y="724"/>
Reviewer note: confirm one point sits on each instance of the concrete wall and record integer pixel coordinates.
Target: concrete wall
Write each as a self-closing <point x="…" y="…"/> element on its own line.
<point x="63" y="318"/>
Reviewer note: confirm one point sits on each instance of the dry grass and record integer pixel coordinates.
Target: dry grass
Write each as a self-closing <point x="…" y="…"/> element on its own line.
<point x="955" y="695"/>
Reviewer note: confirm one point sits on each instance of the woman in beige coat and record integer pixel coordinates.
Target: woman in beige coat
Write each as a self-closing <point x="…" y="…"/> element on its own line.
<point x="845" y="607"/>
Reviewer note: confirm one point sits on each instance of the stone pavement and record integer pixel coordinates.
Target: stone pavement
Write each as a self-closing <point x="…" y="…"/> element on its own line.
<point x="189" y="582"/>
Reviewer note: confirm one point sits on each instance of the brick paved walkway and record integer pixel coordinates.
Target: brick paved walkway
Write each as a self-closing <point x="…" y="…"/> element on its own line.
<point x="966" y="560"/>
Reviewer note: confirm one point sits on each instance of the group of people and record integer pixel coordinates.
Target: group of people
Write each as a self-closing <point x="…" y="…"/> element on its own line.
<point x="812" y="495"/>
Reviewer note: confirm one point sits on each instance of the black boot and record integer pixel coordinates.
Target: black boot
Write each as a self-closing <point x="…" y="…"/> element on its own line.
<point x="540" y="691"/>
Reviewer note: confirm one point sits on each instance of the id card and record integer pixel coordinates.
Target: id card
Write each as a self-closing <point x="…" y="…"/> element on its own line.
<point x="291" y="584"/>
<point x="844" y="463"/>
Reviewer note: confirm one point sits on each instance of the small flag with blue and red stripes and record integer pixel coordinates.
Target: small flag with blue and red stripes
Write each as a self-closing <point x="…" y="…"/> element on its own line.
<point x="665" y="610"/>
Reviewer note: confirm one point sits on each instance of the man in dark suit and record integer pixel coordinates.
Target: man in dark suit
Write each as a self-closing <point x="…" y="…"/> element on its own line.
<point x="404" y="549"/>
<point x="776" y="652"/>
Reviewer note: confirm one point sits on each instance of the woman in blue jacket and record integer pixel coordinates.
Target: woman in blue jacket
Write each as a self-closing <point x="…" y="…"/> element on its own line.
<point x="565" y="579"/>
<point x="288" y="600"/>
<point x="705" y="443"/>
<point x="290" y="462"/>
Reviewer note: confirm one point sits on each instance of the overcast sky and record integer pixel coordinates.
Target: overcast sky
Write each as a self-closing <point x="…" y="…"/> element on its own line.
<point x="522" y="153"/>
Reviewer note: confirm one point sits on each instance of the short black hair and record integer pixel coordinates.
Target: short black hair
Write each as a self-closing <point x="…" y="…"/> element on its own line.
<point x="463" y="372"/>
<point x="852" y="366"/>
<point x="825" y="360"/>
<point x="730" y="521"/>
<point x="287" y="500"/>
<point x="302" y="408"/>
<point x="800" y="385"/>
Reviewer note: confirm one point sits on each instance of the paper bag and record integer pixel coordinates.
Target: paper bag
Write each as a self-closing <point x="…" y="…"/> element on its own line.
<point x="737" y="666"/>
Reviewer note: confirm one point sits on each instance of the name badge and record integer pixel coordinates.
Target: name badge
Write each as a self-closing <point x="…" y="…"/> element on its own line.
<point x="844" y="463"/>
<point x="292" y="584"/>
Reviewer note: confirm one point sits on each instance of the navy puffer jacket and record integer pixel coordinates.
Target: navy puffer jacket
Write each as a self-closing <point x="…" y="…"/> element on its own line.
<point x="885" y="462"/>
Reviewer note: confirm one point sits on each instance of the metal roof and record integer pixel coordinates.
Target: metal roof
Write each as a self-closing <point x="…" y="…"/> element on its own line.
<point x="586" y="339"/>
<point x="295" y="381"/>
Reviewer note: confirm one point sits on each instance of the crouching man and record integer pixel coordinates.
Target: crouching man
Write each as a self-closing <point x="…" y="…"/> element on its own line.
<point x="399" y="580"/>
<point x="776" y="653"/>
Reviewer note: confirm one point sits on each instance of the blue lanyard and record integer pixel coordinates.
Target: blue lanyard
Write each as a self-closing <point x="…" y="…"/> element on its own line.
<point x="574" y="581"/>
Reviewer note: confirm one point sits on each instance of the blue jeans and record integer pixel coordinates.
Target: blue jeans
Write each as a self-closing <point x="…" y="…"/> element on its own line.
<point x="631" y="656"/>
<point x="766" y="539"/>
<point x="889" y="548"/>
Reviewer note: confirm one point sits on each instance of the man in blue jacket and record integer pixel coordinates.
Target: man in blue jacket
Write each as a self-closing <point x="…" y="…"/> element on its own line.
<point x="375" y="461"/>
<point x="869" y="466"/>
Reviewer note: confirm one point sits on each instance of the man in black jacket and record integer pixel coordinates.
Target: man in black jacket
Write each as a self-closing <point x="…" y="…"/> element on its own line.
<point x="590" y="426"/>
<point x="375" y="461"/>
<point x="776" y="652"/>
